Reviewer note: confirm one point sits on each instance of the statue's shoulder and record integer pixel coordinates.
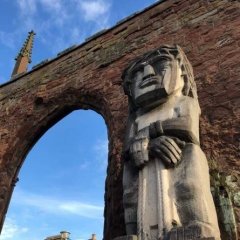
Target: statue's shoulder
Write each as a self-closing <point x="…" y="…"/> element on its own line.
<point x="189" y="104"/>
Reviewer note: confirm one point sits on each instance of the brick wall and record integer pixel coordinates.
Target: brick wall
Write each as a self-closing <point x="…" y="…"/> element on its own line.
<point x="88" y="77"/>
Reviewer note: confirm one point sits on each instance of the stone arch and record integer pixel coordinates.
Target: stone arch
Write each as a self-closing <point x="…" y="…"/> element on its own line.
<point x="44" y="113"/>
<point x="33" y="132"/>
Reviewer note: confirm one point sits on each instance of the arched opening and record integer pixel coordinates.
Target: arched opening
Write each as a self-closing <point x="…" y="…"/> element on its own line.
<point x="62" y="182"/>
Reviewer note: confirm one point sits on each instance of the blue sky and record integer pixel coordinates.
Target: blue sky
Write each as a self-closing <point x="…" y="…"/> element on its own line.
<point x="61" y="183"/>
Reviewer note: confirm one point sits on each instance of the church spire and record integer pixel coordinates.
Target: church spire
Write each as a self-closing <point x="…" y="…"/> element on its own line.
<point x="24" y="56"/>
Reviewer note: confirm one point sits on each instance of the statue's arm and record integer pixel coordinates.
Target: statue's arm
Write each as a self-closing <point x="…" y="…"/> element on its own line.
<point x="186" y="125"/>
<point x="182" y="128"/>
<point x="168" y="138"/>
<point x="135" y="147"/>
<point x="151" y="142"/>
<point x="128" y="138"/>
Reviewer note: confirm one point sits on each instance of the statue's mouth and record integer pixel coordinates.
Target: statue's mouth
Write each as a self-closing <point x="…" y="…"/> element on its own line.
<point x="149" y="81"/>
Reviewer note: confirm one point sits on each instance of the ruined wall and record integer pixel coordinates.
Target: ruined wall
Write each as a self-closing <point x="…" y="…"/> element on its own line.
<point x="88" y="77"/>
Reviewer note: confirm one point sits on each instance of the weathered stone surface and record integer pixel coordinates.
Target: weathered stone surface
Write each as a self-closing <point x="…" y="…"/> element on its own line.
<point x="32" y="103"/>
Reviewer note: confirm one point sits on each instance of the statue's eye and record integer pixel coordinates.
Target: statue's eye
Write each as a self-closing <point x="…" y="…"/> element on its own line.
<point x="137" y="71"/>
<point x="159" y="63"/>
<point x="160" y="66"/>
<point x="137" y="75"/>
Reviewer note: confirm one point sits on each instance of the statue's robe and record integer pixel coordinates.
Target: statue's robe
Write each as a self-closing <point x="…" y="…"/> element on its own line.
<point x="159" y="200"/>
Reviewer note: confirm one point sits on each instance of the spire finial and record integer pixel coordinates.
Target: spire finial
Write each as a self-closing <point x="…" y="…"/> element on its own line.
<point x="24" y="56"/>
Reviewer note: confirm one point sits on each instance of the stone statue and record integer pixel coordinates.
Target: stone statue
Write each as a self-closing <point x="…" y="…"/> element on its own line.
<point x="166" y="179"/>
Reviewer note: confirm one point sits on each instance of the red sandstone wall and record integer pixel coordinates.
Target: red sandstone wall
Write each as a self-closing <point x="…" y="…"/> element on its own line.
<point x="89" y="78"/>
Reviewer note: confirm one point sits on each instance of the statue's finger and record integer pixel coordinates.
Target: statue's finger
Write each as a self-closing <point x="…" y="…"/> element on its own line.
<point x="174" y="144"/>
<point x="172" y="149"/>
<point x="168" y="153"/>
<point x="160" y="155"/>
<point x="163" y="152"/>
<point x="179" y="142"/>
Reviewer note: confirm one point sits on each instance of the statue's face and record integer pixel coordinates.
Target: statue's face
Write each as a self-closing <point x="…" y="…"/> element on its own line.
<point x="154" y="79"/>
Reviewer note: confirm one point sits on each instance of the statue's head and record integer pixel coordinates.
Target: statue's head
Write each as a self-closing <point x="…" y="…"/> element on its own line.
<point x="157" y="75"/>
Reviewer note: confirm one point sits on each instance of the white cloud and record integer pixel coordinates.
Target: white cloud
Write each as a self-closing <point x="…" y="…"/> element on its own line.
<point x="29" y="10"/>
<point x="27" y="7"/>
<point x="55" y="5"/>
<point x="58" y="10"/>
<point x="60" y="24"/>
<point x="11" y="229"/>
<point x="27" y="15"/>
<point x="101" y="153"/>
<point x="56" y="22"/>
<point x="58" y="206"/>
<point x="82" y="209"/>
<point x="96" y="11"/>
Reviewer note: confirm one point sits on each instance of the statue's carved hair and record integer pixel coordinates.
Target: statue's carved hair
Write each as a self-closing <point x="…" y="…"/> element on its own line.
<point x="170" y="52"/>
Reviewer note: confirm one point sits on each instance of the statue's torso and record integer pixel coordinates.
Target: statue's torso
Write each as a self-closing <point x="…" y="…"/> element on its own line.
<point x="176" y="107"/>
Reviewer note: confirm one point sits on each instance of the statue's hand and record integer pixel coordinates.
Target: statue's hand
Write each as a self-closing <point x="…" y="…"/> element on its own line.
<point x="167" y="149"/>
<point x="139" y="152"/>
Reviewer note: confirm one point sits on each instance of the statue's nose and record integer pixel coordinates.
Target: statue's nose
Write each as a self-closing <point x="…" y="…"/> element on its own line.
<point x="148" y="71"/>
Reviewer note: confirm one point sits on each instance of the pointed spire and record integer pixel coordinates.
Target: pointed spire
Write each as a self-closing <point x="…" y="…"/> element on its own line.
<point x="24" y="56"/>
